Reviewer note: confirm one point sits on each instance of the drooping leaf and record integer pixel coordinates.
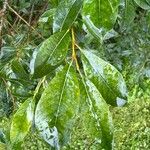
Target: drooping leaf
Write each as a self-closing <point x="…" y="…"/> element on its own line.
<point x="110" y="34"/>
<point x="96" y="117"/>
<point x="129" y="14"/>
<point x="47" y="16"/>
<point x="58" y="106"/>
<point x="7" y="53"/>
<point x="66" y="13"/>
<point x="143" y="4"/>
<point x="51" y="53"/>
<point x="18" y="69"/>
<point x="105" y="77"/>
<point x="103" y="13"/>
<point x="97" y="33"/>
<point x="22" y="121"/>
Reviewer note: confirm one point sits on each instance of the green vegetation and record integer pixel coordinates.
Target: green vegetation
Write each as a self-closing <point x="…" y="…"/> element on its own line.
<point x="75" y="74"/>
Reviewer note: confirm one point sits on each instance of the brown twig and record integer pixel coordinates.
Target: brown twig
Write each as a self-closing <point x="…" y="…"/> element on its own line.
<point x="24" y="21"/>
<point x="2" y="14"/>
<point x="74" y="57"/>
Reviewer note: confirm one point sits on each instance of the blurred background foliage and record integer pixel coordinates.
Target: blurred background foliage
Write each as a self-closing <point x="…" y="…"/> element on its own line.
<point x="26" y="23"/>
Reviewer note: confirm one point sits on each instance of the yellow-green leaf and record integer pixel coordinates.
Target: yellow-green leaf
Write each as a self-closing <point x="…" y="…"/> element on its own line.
<point x="66" y="13"/>
<point x="106" y="78"/>
<point x="52" y="52"/>
<point x="22" y="121"/>
<point x="103" y="13"/>
<point x="57" y="108"/>
<point x="95" y="116"/>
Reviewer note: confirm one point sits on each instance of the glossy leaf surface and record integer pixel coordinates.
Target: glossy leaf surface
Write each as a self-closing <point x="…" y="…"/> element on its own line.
<point x="51" y="53"/>
<point x="106" y="78"/>
<point x="143" y="4"/>
<point x="22" y="121"/>
<point x="18" y="69"/>
<point x="96" y="116"/>
<point x="58" y="106"/>
<point x="103" y="13"/>
<point x="47" y="16"/>
<point x="97" y="33"/>
<point x="66" y="13"/>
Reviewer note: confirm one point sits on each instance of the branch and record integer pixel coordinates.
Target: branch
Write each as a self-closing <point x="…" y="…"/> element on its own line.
<point x="2" y="14"/>
<point x="11" y="9"/>
<point x="74" y="57"/>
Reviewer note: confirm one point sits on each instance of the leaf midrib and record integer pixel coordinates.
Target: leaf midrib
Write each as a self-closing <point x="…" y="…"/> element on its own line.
<point x="57" y="45"/>
<point x="103" y="80"/>
<point x="61" y="95"/>
<point x="67" y="15"/>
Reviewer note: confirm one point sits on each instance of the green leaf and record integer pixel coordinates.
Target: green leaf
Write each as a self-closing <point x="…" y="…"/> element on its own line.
<point x="97" y="33"/>
<point x="18" y="69"/>
<point x="129" y="14"/>
<point x="54" y="3"/>
<point x="110" y="34"/>
<point x="106" y="78"/>
<point x="58" y="106"/>
<point x="96" y="117"/>
<point x="143" y="4"/>
<point x="22" y="121"/>
<point x="52" y="52"/>
<point x="7" y="53"/>
<point x="3" y="146"/>
<point x="66" y="13"/>
<point x="47" y="16"/>
<point x="103" y="13"/>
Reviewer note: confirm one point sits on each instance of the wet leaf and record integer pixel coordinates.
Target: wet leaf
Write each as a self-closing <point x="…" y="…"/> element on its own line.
<point x="18" y="69"/>
<point x="47" y="16"/>
<point x="22" y="121"/>
<point x="110" y="34"/>
<point x="106" y="78"/>
<point x="102" y="13"/>
<point x="58" y="106"/>
<point x="143" y="4"/>
<point x="66" y="13"/>
<point x="129" y="14"/>
<point x="97" y="33"/>
<point x="96" y="117"/>
<point x="7" y="53"/>
<point x="51" y="53"/>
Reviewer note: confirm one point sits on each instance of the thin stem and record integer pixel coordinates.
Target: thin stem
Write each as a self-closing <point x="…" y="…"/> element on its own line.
<point x="73" y="50"/>
<point x="24" y="20"/>
<point x="38" y="87"/>
<point x="78" y="46"/>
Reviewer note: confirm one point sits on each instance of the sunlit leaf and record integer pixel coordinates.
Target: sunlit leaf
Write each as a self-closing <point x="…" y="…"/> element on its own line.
<point x="22" y="121"/>
<point x="18" y="69"/>
<point x="66" y="13"/>
<point x="103" y="13"/>
<point x="47" y="16"/>
<point x="51" y="53"/>
<point x="57" y="108"/>
<point x="106" y="78"/>
<point x="96" y="117"/>
<point x="97" y="33"/>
